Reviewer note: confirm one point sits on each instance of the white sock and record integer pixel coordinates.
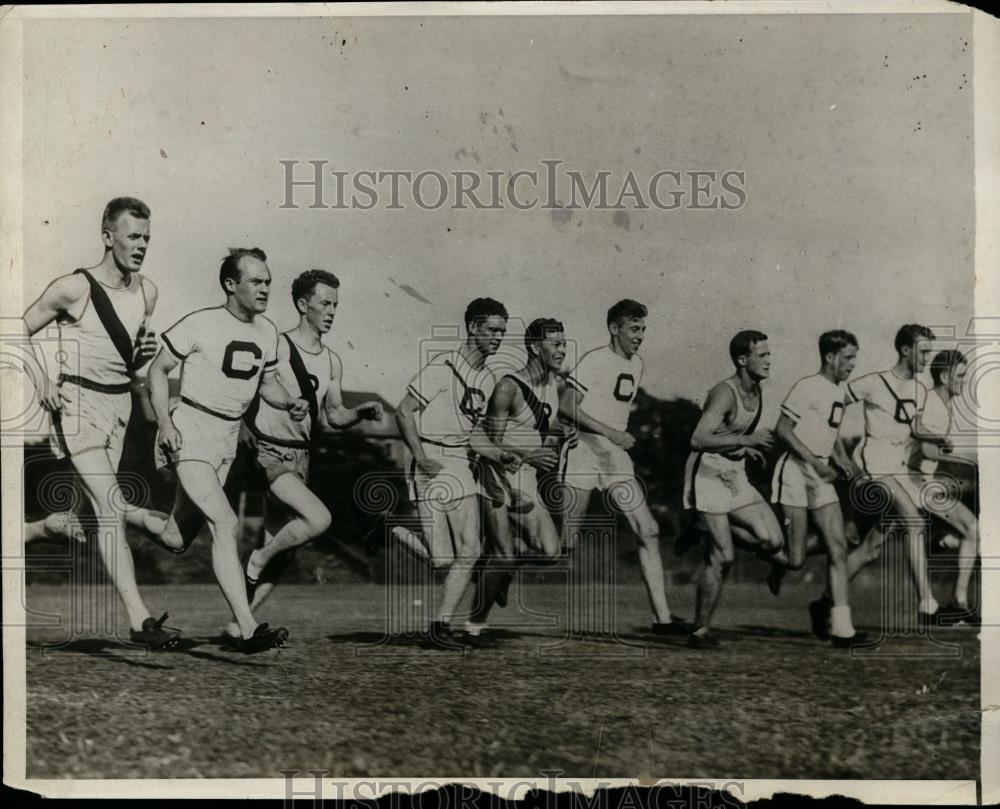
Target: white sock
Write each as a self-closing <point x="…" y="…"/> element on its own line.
<point x="473" y="628"/>
<point x="840" y="622"/>
<point x="928" y="606"/>
<point x="950" y="542"/>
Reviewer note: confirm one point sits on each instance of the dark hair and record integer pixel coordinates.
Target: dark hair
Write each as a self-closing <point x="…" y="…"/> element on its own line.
<point x="303" y="286"/>
<point x="120" y="205"/>
<point x="743" y="343"/>
<point x="626" y="308"/>
<point x="945" y="362"/>
<point x="832" y="342"/>
<point x="482" y="308"/>
<point x="909" y="334"/>
<point x="230" y="268"/>
<point x="540" y="328"/>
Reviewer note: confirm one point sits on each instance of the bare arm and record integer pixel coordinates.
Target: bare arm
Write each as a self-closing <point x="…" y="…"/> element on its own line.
<point x="56" y="300"/>
<point x="336" y="414"/>
<point x="274" y="393"/>
<point x="159" y="397"/>
<point x="407" y="421"/>
<point x="721" y="400"/>
<point x="147" y="345"/>
<point x="505" y="399"/>
<point x="570" y="412"/>
<point x="785" y="430"/>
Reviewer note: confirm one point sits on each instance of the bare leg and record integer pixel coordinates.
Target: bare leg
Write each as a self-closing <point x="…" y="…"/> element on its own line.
<point x="466" y="529"/>
<point x="201" y="484"/>
<point x="576" y="508"/>
<point x="100" y="483"/>
<point x="312" y="519"/>
<point x="645" y="527"/>
<point x="718" y="562"/>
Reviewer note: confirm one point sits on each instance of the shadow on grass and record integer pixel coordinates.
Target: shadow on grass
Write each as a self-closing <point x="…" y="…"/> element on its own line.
<point x="112" y="651"/>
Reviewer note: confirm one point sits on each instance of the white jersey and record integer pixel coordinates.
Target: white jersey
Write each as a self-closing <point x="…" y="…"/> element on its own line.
<point x="527" y="428"/>
<point x="223" y="358"/>
<point x="891" y="405"/>
<point x="816" y="407"/>
<point x="87" y="349"/>
<point x="609" y="384"/>
<point x="278" y="426"/>
<point x="934" y="419"/>
<point x="452" y="396"/>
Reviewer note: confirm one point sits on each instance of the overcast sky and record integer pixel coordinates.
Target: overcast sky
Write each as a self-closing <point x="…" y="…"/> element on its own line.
<point x="854" y="133"/>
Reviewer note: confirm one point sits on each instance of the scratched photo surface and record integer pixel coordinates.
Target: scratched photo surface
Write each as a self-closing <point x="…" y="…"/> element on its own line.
<point x="788" y="174"/>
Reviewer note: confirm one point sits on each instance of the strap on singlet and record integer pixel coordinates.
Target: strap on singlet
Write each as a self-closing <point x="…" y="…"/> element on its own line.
<point x="302" y="377"/>
<point x="109" y="319"/>
<point x="753" y="424"/>
<point x="536" y="407"/>
<point x="458" y="376"/>
<point x="305" y="389"/>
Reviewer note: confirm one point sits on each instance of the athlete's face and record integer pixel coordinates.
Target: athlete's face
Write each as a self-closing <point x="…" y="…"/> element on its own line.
<point x="917" y="356"/>
<point x="956" y="379"/>
<point x="488" y="333"/>
<point x="628" y="333"/>
<point x="127" y="240"/>
<point x="552" y="350"/>
<point x="758" y="361"/>
<point x="254" y="286"/>
<point x="842" y="363"/>
<point x="320" y="308"/>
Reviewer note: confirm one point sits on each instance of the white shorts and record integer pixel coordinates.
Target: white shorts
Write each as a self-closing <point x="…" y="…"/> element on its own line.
<point x="936" y="495"/>
<point x="598" y="463"/>
<point x="90" y="420"/>
<point x="714" y="484"/>
<point x="795" y="483"/>
<point x="516" y="490"/>
<point x="204" y="437"/>
<point x="454" y="482"/>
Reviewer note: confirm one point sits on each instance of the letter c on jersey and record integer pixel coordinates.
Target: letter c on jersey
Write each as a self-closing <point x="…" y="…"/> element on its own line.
<point x="836" y="414"/>
<point x="240" y="367"/>
<point x="625" y="387"/>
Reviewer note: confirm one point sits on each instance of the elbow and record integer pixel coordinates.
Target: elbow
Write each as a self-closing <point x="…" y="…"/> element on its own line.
<point x="697" y="444"/>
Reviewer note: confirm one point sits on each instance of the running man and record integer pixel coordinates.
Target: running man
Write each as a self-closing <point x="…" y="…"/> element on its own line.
<point x="715" y="478"/>
<point x="597" y="401"/>
<point x="307" y="367"/>
<point x="102" y="314"/>
<point x="928" y="446"/>
<point x="948" y="369"/>
<point x="438" y="417"/>
<point x="521" y="419"/>
<point x="892" y="400"/>
<point x="224" y="352"/>
<point x="809" y="426"/>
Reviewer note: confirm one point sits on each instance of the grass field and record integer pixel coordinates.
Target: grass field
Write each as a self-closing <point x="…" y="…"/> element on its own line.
<point x="773" y="702"/>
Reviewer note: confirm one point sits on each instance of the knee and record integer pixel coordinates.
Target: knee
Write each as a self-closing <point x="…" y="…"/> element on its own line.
<point x="225" y="529"/>
<point x="649" y="537"/>
<point x="319" y="521"/>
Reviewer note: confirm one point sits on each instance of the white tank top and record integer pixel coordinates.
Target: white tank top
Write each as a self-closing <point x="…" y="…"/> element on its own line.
<point x="741" y="421"/>
<point x="523" y="428"/>
<point x="86" y="349"/>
